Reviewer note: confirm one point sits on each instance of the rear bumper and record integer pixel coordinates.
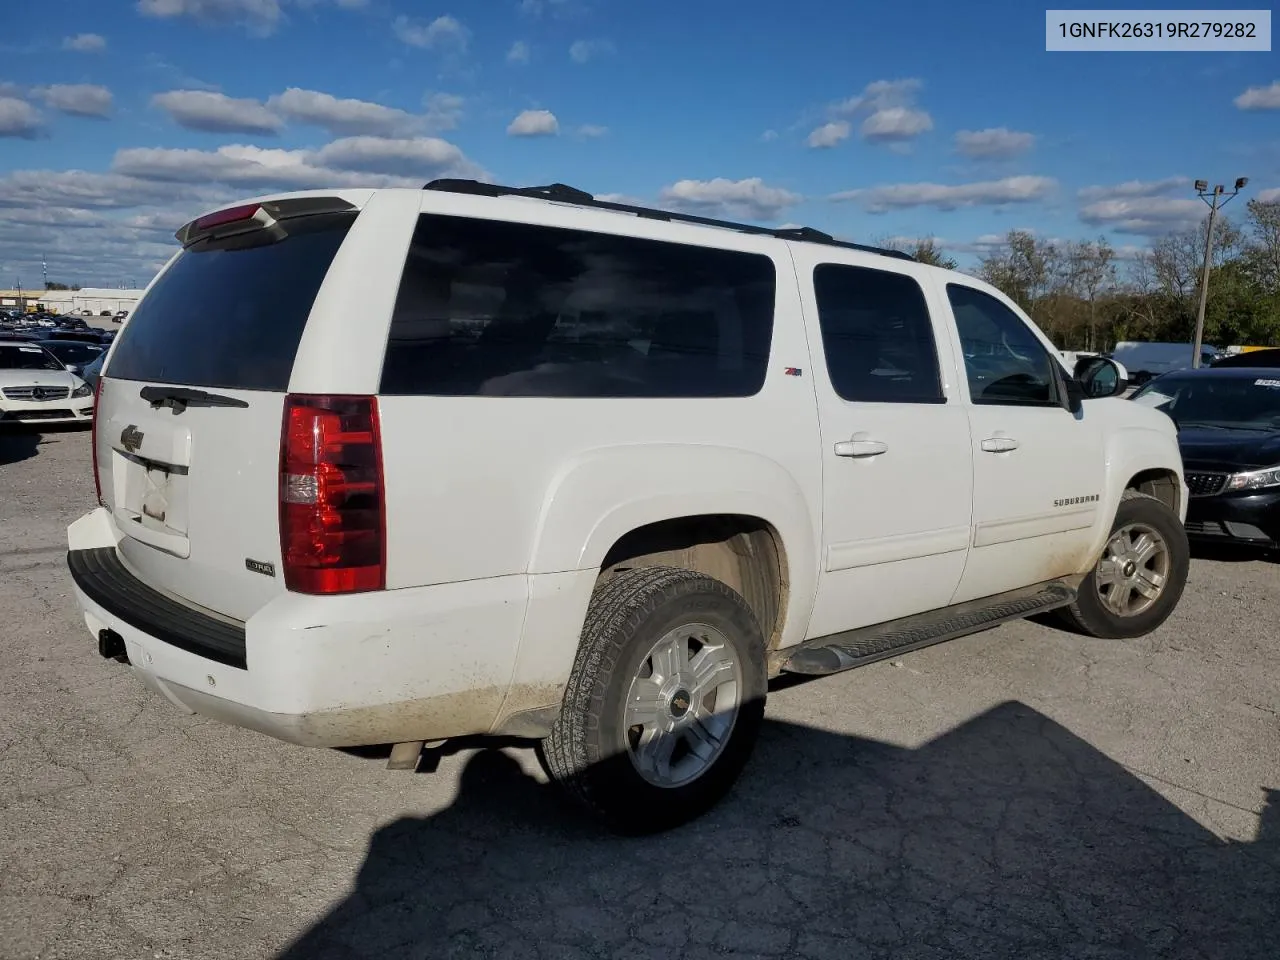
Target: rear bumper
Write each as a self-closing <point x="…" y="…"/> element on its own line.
<point x="414" y="664"/>
<point x="1252" y="518"/>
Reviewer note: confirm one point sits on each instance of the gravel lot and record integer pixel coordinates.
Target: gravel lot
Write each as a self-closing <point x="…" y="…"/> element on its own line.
<point x="1022" y="793"/>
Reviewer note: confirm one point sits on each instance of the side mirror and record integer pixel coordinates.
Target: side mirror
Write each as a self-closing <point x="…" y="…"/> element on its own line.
<point x="1101" y="377"/>
<point x="69" y="367"/>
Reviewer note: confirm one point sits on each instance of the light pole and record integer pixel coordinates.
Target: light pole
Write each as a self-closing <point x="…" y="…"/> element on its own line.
<point x="1216" y="198"/>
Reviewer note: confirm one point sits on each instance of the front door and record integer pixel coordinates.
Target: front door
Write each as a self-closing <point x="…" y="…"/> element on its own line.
<point x="1038" y="469"/>
<point x="896" y="463"/>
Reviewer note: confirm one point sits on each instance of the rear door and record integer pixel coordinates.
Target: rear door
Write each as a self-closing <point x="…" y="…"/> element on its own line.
<point x="896" y="465"/>
<point x="190" y="409"/>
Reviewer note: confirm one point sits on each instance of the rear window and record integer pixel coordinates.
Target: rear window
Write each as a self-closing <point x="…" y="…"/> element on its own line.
<point x="230" y="313"/>
<point x="492" y="308"/>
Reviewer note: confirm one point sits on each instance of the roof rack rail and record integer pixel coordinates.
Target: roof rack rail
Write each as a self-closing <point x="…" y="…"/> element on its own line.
<point x="562" y="193"/>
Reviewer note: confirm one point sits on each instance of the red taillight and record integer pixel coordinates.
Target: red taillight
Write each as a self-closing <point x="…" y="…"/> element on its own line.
<point x="332" y="531"/>
<point x="93" y="439"/>
<point x="230" y="215"/>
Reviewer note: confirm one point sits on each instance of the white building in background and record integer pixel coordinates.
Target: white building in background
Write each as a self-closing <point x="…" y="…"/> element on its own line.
<point x="93" y="299"/>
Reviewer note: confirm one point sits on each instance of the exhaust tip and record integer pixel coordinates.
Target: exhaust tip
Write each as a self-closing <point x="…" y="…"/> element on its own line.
<point x="111" y="646"/>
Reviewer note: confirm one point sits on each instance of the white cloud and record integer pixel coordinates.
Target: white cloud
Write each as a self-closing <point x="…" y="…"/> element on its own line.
<point x="993" y="143"/>
<point x="19" y="119"/>
<point x="1145" y="215"/>
<point x="175" y="77"/>
<point x="750" y="199"/>
<point x="583" y="50"/>
<point x="985" y="244"/>
<point x="443" y="33"/>
<point x="519" y="52"/>
<point x="1270" y="196"/>
<point x="889" y="107"/>
<point x="591" y="131"/>
<point x="990" y="193"/>
<point x="1134" y="188"/>
<point x="534" y="123"/>
<point x="769" y="136"/>
<point x="344" y="117"/>
<point x="896" y="124"/>
<point x="829" y="134"/>
<point x="443" y="111"/>
<point x="84" y="43"/>
<point x="77" y="99"/>
<point x="880" y="95"/>
<point x="94" y="228"/>
<point x="216" y="112"/>
<point x="79" y="189"/>
<point x="353" y="161"/>
<point x="405" y="158"/>
<point x="621" y="198"/>
<point x="1260" y="98"/>
<point x="262" y="15"/>
<point x="557" y="8"/>
<point x="1143" y="207"/>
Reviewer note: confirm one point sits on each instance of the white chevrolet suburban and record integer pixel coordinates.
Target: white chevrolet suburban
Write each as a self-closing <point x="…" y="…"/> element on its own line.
<point x="394" y="466"/>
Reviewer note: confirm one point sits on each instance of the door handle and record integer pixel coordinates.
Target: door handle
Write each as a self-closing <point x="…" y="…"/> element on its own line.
<point x="860" y="445"/>
<point x="999" y="444"/>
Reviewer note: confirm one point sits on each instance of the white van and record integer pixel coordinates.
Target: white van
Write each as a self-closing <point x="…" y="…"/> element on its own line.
<point x="1145" y="360"/>
<point x="394" y="466"/>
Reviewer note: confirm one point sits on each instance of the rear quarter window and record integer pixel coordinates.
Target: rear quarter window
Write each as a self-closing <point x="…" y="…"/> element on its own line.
<point x="230" y="313"/>
<point x="493" y="308"/>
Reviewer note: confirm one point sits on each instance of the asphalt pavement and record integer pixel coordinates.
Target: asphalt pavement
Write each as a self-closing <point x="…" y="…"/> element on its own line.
<point x="1023" y="793"/>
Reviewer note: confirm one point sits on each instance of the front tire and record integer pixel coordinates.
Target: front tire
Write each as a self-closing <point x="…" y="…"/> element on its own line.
<point x="665" y="700"/>
<point x="1139" y="578"/>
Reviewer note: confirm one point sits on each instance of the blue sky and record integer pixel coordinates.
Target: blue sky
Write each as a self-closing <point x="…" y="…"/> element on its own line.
<point x="121" y="118"/>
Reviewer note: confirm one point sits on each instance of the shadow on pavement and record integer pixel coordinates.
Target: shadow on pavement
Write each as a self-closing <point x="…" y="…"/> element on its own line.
<point x="1008" y="837"/>
<point x="1232" y="553"/>
<point x="17" y="444"/>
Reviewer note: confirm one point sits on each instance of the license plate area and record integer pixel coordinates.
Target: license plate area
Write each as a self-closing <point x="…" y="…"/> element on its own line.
<point x="154" y="494"/>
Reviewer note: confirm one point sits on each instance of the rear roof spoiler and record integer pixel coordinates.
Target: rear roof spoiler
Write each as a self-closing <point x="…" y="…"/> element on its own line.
<point x="256" y="216"/>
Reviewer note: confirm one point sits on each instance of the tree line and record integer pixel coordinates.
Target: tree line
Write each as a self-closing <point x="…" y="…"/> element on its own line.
<point x="1086" y="298"/>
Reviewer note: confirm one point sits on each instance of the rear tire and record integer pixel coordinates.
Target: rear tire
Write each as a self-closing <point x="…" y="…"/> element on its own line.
<point x="664" y="703"/>
<point x="1140" y="575"/>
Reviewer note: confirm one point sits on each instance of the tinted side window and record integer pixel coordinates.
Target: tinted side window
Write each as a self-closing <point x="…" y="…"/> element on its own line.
<point x="877" y="335"/>
<point x="231" y="312"/>
<point x="492" y="308"/>
<point x="1005" y="362"/>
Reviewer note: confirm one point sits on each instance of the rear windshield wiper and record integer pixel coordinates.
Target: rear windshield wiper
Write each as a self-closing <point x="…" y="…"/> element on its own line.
<point x="182" y="397"/>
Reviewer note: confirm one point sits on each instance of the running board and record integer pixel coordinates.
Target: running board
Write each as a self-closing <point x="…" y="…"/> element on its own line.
<point x="856" y="648"/>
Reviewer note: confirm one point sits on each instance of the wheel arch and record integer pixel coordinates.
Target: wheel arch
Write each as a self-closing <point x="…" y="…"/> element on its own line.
<point x="726" y="512"/>
<point x="1138" y="458"/>
<point x="609" y="502"/>
<point x="1163" y="483"/>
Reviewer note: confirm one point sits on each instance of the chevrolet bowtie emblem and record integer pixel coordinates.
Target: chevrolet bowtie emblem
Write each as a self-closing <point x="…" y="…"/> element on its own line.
<point x="131" y="438"/>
